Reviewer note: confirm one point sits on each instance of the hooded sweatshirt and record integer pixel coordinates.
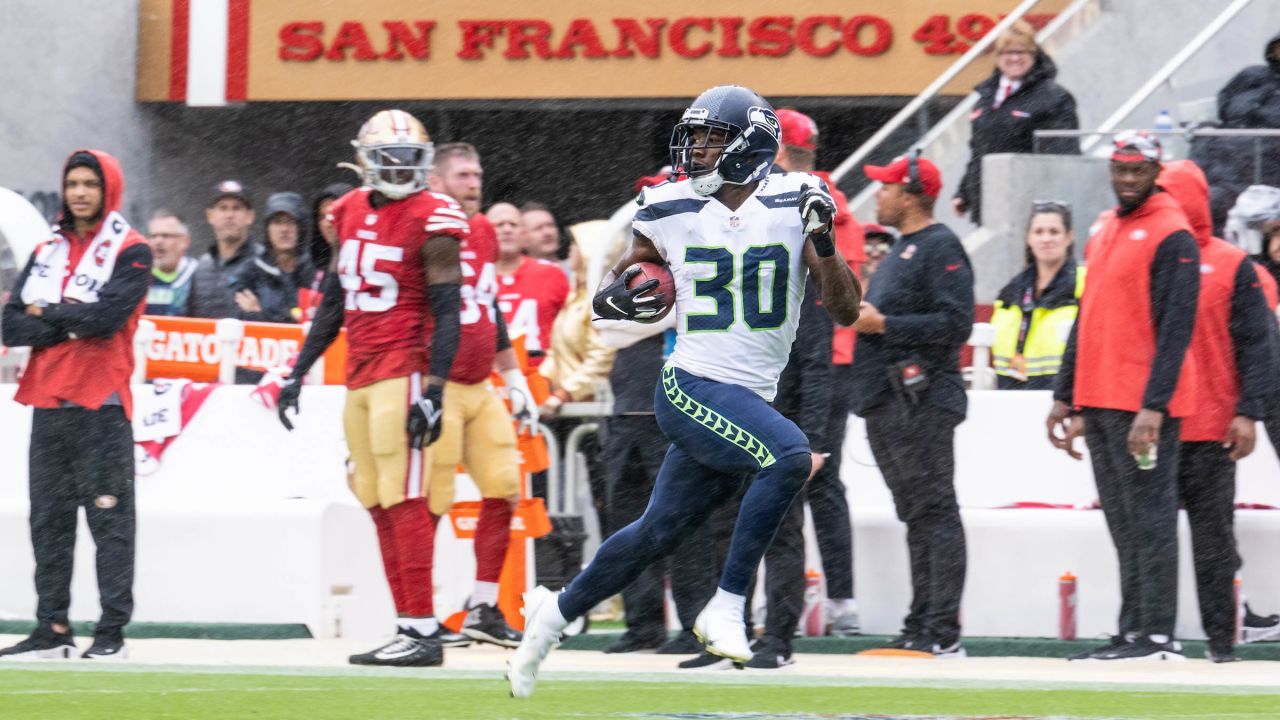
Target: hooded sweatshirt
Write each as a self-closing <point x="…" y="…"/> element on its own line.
<point x="82" y="352"/>
<point x="1231" y="341"/>
<point x="276" y="289"/>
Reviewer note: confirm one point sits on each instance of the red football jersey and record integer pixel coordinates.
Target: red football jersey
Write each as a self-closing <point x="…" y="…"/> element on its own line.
<point x="388" y="319"/>
<point x="530" y="298"/>
<point x="479" y="341"/>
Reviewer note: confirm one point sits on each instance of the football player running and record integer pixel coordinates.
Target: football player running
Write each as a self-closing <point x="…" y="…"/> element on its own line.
<point x="478" y="433"/>
<point x="739" y="243"/>
<point x="396" y="289"/>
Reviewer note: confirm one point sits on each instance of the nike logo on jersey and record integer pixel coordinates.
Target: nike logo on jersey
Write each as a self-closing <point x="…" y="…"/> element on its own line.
<point x="139" y="265"/>
<point x="951" y="268"/>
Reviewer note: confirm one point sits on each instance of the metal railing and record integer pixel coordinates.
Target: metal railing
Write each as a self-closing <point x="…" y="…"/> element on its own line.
<point x="1163" y="75"/>
<point x="959" y="66"/>
<point x="1259" y="136"/>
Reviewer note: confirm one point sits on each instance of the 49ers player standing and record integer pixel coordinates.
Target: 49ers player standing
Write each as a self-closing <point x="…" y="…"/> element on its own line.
<point x="530" y="292"/>
<point x="477" y="429"/>
<point x="396" y="287"/>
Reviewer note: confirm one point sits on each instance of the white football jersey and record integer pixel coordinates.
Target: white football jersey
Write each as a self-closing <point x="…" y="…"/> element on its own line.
<point x="740" y="277"/>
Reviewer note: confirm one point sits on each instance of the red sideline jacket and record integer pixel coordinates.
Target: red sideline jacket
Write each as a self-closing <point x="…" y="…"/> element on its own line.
<point x="1230" y="341"/>
<point x="1114" y="362"/>
<point x="99" y="361"/>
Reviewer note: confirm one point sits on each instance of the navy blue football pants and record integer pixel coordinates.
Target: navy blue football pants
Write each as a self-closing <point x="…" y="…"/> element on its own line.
<point x="720" y="435"/>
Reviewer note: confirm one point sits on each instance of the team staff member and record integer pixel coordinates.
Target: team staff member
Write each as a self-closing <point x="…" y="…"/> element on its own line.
<point x="1126" y="383"/>
<point x="77" y="305"/>
<point x="530" y="292"/>
<point x="1233" y="353"/>
<point x="478" y="433"/>
<point x="396" y="289"/>
<point x="906" y="383"/>
<point x="825" y="492"/>
<point x="1035" y="311"/>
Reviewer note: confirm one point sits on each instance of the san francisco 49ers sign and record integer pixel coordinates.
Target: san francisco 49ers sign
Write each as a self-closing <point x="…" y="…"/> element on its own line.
<point x="383" y="49"/>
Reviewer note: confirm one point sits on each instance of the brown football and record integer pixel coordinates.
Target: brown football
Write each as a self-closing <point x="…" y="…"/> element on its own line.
<point x="666" y="290"/>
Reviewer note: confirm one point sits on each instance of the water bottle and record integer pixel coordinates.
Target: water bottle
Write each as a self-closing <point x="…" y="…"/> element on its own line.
<point x="1164" y="121"/>
<point x="1067" y="606"/>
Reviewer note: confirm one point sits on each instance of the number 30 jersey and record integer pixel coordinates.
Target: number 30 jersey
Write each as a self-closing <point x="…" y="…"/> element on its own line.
<point x="384" y="283"/>
<point x="740" y="277"/>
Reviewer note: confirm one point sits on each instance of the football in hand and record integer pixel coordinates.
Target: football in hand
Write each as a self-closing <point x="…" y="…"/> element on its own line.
<point x="665" y="292"/>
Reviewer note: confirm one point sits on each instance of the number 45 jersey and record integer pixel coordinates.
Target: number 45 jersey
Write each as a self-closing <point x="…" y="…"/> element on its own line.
<point x="384" y="283"/>
<point x="740" y="277"/>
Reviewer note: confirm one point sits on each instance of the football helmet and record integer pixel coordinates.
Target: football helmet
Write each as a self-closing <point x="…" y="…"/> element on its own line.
<point x="394" y="154"/>
<point x="749" y="143"/>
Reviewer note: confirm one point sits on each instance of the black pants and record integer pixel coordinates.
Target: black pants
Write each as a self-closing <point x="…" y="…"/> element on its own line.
<point x="914" y="445"/>
<point x="633" y="450"/>
<point x="1141" y="507"/>
<point x="1207" y="489"/>
<point x="82" y="458"/>
<point x="826" y="495"/>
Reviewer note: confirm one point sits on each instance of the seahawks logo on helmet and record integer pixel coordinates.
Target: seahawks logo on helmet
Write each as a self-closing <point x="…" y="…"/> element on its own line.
<point x="765" y="119"/>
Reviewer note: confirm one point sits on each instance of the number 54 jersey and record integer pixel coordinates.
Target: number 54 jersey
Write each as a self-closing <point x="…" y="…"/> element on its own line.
<point x="384" y="283"/>
<point x="740" y="277"/>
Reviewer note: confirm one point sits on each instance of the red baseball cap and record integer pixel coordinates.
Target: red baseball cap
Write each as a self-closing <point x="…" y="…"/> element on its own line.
<point x="798" y="129"/>
<point x="897" y="172"/>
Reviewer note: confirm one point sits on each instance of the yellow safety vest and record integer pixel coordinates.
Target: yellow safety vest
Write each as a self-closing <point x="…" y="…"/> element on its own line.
<point x="1046" y="336"/>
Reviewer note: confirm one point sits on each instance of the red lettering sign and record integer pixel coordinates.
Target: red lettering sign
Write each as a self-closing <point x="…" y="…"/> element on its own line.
<point x="771" y="36"/>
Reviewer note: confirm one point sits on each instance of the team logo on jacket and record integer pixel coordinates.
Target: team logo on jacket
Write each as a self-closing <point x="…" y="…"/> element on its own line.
<point x="908" y="252"/>
<point x="1138" y="234"/>
<point x="1205" y="268"/>
<point x="102" y="253"/>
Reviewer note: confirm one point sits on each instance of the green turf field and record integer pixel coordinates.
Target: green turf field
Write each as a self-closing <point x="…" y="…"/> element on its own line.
<point x="145" y="695"/>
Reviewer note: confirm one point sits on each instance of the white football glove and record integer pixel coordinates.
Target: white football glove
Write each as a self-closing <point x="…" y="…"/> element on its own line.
<point x="523" y="408"/>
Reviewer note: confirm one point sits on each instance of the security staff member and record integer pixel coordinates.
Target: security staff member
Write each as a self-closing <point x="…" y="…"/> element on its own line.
<point x="1127" y="381"/>
<point x="1235" y="358"/>
<point x="1035" y="311"/>
<point x="77" y="305"/>
<point x="907" y="385"/>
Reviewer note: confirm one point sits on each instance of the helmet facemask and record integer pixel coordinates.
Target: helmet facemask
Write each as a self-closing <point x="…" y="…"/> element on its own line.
<point x="396" y="170"/>
<point x="706" y="180"/>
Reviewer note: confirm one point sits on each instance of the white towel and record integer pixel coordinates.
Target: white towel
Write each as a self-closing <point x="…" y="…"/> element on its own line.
<point x="45" y="282"/>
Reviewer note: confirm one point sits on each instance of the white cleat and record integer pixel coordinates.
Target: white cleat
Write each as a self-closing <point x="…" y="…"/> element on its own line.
<point x="522" y="668"/>
<point x="723" y="633"/>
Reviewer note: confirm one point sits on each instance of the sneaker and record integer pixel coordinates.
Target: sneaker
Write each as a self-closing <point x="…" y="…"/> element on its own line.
<point x="404" y="650"/>
<point x="443" y="635"/>
<point x="770" y="654"/>
<point x="107" y="646"/>
<point x="1257" y="628"/>
<point x="1144" y="648"/>
<point x="1116" y="642"/>
<point x="486" y="623"/>
<point x="683" y="644"/>
<point x="635" y="643"/>
<point x="948" y="651"/>
<point x="522" y="668"/>
<point x="723" y="633"/>
<point x="42" y="644"/>
<point x="706" y="661"/>
<point x="845" y="625"/>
